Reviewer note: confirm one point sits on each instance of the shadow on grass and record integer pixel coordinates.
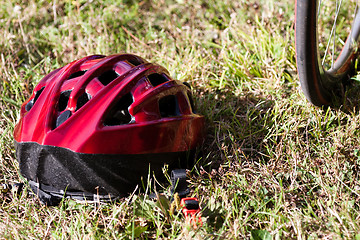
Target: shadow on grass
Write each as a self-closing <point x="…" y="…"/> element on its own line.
<point x="236" y="126"/>
<point x="351" y="102"/>
<point x="236" y="129"/>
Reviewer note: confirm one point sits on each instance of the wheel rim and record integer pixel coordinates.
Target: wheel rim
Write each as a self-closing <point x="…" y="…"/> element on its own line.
<point x="338" y="30"/>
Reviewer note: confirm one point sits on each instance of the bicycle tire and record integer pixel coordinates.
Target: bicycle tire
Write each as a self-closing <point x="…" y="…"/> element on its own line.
<point x="320" y="86"/>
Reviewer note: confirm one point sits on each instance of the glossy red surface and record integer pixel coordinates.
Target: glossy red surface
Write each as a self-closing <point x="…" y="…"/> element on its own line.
<point x="84" y="131"/>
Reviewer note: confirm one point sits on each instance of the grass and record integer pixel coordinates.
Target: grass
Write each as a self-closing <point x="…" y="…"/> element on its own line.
<point x="274" y="167"/>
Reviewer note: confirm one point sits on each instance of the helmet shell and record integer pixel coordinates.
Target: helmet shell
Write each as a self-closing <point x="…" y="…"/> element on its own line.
<point x="99" y="124"/>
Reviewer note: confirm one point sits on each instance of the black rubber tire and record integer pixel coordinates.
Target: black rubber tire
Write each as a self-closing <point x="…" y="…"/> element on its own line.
<point x="321" y="87"/>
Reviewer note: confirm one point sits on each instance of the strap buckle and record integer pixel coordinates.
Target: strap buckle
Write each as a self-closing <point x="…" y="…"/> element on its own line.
<point x="191" y="211"/>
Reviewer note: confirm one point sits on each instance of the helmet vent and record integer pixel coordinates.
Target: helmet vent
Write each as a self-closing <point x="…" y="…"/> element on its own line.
<point x="82" y="100"/>
<point x="31" y="103"/>
<point x="63" y="100"/>
<point x="77" y="74"/>
<point x="119" y="114"/>
<point x="168" y="106"/>
<point x="134" y="61"/>
<point x="63" y="117"/>
<point x="157" y="79"/>
<point x="107" y="77"/>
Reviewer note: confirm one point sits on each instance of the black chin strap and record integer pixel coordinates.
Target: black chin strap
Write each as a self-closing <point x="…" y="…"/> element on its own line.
<point x="179" y="184"/>
<point x="190" y="205"/>
<point x="51" y="196"/>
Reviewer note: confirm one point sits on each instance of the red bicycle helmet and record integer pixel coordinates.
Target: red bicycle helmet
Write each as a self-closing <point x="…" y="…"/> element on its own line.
<point x="97" y="126"/>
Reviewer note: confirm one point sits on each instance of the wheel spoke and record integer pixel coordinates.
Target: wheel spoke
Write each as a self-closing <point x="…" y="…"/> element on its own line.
<point x="332" y="36"/>
<point x="334" y="19"/>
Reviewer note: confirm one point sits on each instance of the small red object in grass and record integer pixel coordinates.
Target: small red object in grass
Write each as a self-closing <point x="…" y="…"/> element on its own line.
<point x="191" y="211"/>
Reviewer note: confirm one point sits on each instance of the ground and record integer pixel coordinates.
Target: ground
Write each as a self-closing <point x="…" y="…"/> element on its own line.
<point x="272" y="165"/>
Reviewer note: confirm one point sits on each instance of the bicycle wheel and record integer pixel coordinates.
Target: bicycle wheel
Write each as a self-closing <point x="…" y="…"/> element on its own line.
<point x="326" y="41"/>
